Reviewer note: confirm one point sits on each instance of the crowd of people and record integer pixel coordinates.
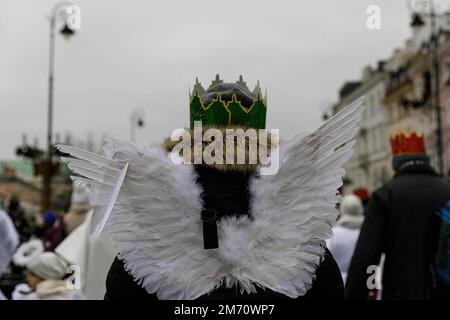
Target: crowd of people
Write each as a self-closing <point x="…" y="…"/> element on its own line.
<point x="398" y="246"/>
<point x="200" y="231"/>
<point x="37" y="253"/>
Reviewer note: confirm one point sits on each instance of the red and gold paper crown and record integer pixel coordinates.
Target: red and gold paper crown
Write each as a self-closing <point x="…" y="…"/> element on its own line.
<point x="407" y="145"/>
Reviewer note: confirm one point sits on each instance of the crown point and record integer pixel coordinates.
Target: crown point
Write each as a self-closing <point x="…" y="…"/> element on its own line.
<point x="241" y="82"/>
<point x="216" y="80"/>
<point x="402" y="144"/>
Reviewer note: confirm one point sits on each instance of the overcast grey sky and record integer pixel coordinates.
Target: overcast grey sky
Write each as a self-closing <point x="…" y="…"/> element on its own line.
<point x="146" y="54"/>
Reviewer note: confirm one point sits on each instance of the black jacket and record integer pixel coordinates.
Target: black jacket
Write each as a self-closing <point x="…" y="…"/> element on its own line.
<point x="227" y="193"/>
<point x="401" y="222"/>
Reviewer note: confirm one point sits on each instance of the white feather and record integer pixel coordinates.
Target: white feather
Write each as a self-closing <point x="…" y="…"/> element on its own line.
<point x="104" y="177"/>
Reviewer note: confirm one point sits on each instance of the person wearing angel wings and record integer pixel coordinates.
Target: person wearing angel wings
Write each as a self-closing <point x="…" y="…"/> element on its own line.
<point x="233" y="228"/>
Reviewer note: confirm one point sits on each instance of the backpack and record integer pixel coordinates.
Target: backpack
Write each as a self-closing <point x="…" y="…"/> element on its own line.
<point x="442" y="258"/>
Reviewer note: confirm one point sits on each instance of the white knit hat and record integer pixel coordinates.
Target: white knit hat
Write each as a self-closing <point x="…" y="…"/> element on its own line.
<point x="351" y="205"/>
<point x="352" y="211"/>
<point x="48" y="266"/>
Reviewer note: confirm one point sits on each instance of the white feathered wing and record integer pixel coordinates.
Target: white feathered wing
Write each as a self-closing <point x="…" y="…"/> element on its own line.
<point x="295" y="208"/>
<point x="155" y="219"/>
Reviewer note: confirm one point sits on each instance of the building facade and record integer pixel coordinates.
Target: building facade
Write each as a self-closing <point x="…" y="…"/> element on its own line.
<point x="368" y="167"/>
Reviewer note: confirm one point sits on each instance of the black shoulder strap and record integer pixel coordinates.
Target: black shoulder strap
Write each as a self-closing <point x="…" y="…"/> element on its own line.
<point x="210" y="238"/>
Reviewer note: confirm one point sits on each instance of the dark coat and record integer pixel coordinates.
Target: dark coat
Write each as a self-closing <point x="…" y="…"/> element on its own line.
<point x="227" y="192"/>
<point x="401" y="222"/>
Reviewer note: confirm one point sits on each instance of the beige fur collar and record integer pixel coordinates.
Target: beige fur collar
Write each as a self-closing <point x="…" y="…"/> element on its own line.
<point x="169" y="145"/>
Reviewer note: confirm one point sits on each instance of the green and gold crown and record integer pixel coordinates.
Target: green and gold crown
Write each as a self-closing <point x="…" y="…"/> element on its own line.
<point x="228" y="104"/>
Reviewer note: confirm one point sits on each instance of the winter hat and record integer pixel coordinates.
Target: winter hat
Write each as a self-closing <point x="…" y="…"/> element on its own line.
<point x="27" y="252"/>
<point x="351" y="205"/>
<point x="50" y="218"/>
<point x="351" y="211"/>
<point x="362" y="193"/>
<point x="48" y="266"/>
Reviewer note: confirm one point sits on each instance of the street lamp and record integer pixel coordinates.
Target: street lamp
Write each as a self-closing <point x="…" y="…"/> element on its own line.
<point x="59" y="12"/>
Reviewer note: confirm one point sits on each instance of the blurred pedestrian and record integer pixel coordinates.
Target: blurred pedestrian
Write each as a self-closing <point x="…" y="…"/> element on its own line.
<point x="38" y="224"/>
<point x="55" y="234"/>
<point x="402" y="223"/>
<point x="17" y="214"/>
<point x="46" y="280"/>
<point x="9" y="240"/>
<point x="346" y="232"/>
<point x="65" y="224"/>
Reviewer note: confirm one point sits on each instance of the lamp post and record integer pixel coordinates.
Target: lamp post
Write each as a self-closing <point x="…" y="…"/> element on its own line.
<point x="57" y="12"/>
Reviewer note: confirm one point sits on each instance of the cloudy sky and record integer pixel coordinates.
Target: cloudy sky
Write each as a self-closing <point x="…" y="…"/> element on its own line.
<point x="146" y="54"/>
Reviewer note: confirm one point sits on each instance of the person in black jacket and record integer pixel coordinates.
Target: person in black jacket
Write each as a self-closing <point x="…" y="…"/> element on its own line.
<point x="401" y="223"/>
<point x="226" y="226"/>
